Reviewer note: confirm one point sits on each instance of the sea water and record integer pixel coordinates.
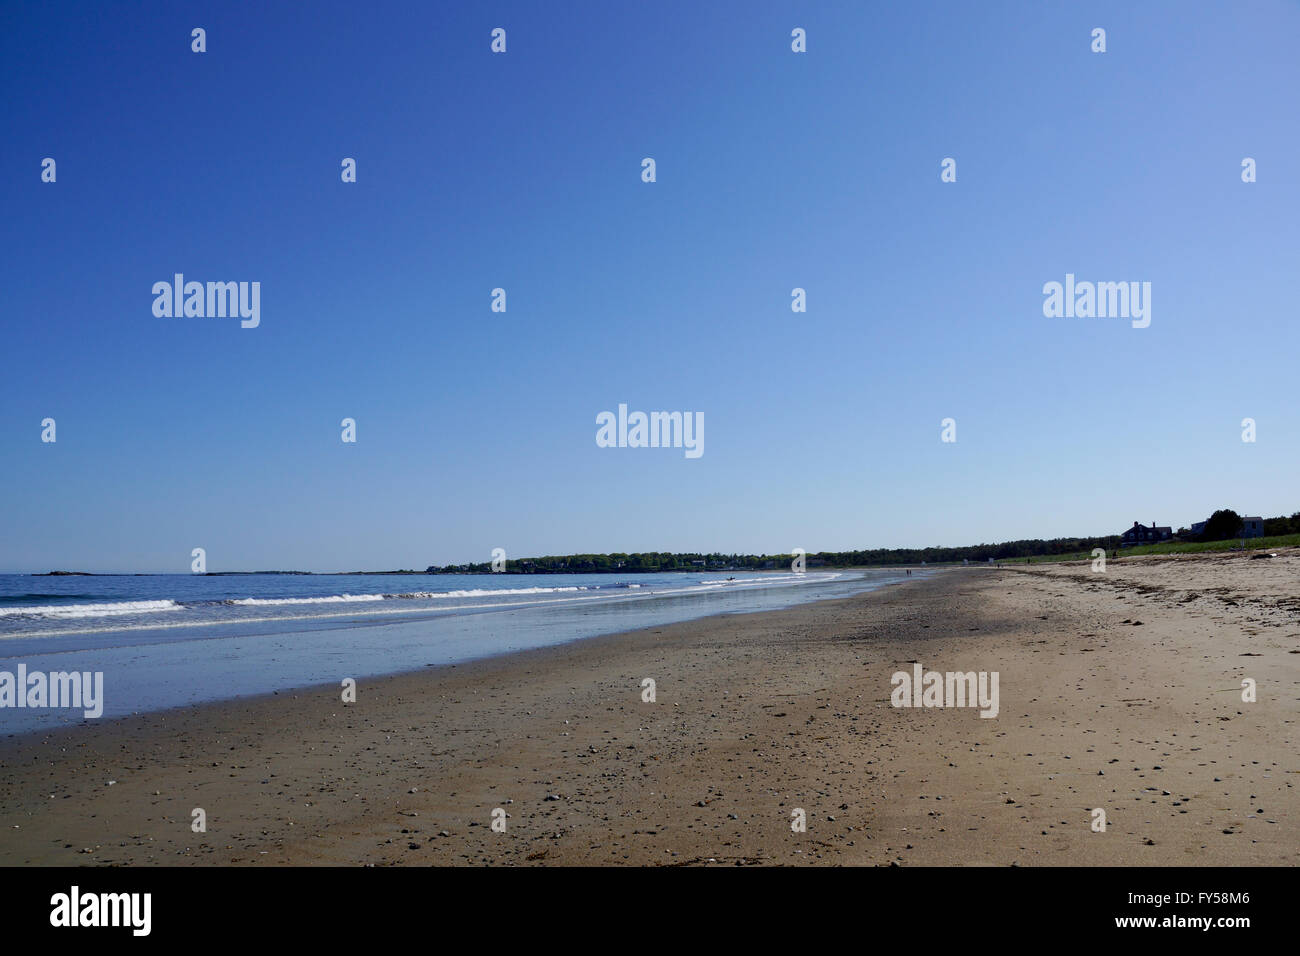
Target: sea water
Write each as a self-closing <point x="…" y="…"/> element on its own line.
<point x="170" y="640"/>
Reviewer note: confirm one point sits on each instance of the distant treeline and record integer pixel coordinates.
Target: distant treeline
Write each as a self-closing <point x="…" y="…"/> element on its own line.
<point x="1027" y="548"/>
<point x="651" y="561"/>
<point x="669" y="561"/>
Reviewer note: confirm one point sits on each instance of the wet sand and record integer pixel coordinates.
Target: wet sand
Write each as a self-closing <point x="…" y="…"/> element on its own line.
<point x="755" y="715"/>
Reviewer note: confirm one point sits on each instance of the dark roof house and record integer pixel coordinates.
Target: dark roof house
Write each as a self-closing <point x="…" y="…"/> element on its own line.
<point x="1141" y="534"/>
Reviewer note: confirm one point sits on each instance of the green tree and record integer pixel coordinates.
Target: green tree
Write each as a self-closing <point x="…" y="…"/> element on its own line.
<point x="1223" y="524"/>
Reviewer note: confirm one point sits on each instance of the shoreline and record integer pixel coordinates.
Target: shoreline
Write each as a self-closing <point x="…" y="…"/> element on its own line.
<point x="756" y="714"/>
<point x="19" y="737"/>
<point x="513" y="573"/>
<point x="228" y="658"/>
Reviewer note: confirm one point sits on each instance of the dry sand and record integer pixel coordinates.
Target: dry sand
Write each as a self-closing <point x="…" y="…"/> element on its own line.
<point x="755" y="715"/>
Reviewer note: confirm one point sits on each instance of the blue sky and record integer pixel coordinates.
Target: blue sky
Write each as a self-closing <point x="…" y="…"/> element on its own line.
<point x="522" y="170"/>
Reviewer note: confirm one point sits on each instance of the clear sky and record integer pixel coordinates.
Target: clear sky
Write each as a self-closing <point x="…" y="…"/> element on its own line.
<point x="522" y="170"/>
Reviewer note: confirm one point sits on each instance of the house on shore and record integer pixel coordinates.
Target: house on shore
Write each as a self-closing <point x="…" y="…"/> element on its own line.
<point x="1141" y="534"/>
<point x="1252" y="527"/>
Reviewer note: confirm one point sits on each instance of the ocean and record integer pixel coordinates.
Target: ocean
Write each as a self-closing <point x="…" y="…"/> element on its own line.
<point x="169" y="640"/>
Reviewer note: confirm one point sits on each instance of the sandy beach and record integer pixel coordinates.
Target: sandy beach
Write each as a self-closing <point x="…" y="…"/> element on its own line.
<point x="1118" y="690"/>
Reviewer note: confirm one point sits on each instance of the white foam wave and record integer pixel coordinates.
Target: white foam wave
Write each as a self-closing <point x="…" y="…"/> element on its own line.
<point x="89" y="610"/>
<point x="490" y="592"/>
<point x="408" y="596"/>
<point x="329" y="599"/>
